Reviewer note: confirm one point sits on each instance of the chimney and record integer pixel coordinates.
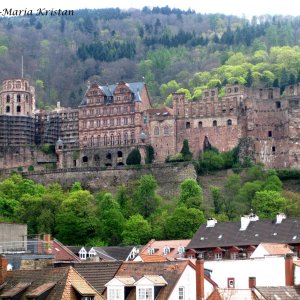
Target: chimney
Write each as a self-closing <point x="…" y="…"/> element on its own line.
<point x="199" y="279"/>
<point x="211" y="222"/>
<point x="280" y="217"/>
<point x="289" y="270"/>
<point x="58" y="104"/>
<point x="47" y="244"/>
<point x="246" y="219"/>
<point x="252" y="282"/>
<point x="3" y="269"/>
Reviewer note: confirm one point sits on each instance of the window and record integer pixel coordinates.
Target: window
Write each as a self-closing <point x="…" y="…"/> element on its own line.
<point x="98" y="140"/>
<point x="112" y="140"/>
<point x="125" y="121"/>
<point x="91" y="124"/>
<point x="111" y="122"/>
<point x="120" y="154"/>
<point x="18" y="108"/>
<point x="166" y="130"/>
<point x="270" y="134"/>
<point x="132" y="120"/>
<point x="145" y="294"/>
<point x="111" y="110"/>
<point x="200" y="124"/>
<point x="218" y="256"/>
<point x="180" y="249"/>
<point x="188" y="125"/>
<point x="166" y="250"/>
<point x="91" y="112"/>
<point x="118" y="122"/>
<point x="234" y="255"/>
<point x="85" y="159"/>
<point x="119" y="110"/>
<point x="84" y="124"/>
<point x="131" y="108"/>
<point x="230" y="283"/>
<point x="150" y="251"/>
<point x="18" y="98"/>
<point x="82" y="254"/>
<point x="7" y="99"/>
<point x="273" y="149"/>
<point x="108" y="155"/>
<point x="156" y="131"/>
<point x="236" y="89"/>
<point x="84" y="113"/>
<point x="104" y="122"/>
<point x="92" y="140"/>
<point x="125" y="138"/>
<point x="98" y="123"/>
<point x="119" y="139"/>
<point x="229" y="122"/>
<point x="7" y="109"/>
<point x="181" y="293"/>
<point x="105" y="140"/>
<point x="215" y="123"/>
<point x="278" y="104"/>
<point x="87" y="298"/>
<point x="145" y="119"/>
<point x="115" y="294"/>
<point x="125" y="109"/>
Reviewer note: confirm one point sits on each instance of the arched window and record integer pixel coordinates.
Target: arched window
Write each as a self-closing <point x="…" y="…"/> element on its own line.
<point x="18" y="98"/>
<point x="156" y="131"/>
<point x="7" y="99"/>
<point x="7" y="109"/>
<point x="166" y="130"/>
<point x="229" y="122"/>
<point x="112" y="139"/>
<point x="105" y="140"/>
<point x="108" y="155"/>
<point x="119" y="139"/>
<point x="215" y="123"/>
<point x="166" y="250"/>
<point x="120" y="154"/>
<point x="18" y="108"/>
<point x="200" y="124"/>
<point x="125" y="138"/>
<point x="181" y="249"/>
<point x="132" y="137"/>
<point x="150" y="251"/>
<point x="98" y="140"/>
<point x="92" y="140"/>
<point x="96" y="157"/>
<point x="85" y="159"/>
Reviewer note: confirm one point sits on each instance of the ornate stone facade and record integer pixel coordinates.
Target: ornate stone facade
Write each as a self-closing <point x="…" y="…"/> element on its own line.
<point x="113" y="119"/>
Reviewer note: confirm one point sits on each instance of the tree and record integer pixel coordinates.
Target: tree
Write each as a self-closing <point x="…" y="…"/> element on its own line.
<point x="268" y="204"/>
<point x="146" y="199"/>
<point x="183" y="223"/>
<point x="190" y="193"/>
<point x="149" y="154"/>
<point x="185" y="151"/>
<point x="249" y="78"/>
<point x="137" y="231"/>
<point x="134" y="157"/>
<point x="217" y="199"/>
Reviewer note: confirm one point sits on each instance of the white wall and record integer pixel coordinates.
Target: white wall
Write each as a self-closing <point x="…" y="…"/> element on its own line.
<point x="188" y="281"/>
<point x="297" y="275"/>
<point x="269" y="271"/>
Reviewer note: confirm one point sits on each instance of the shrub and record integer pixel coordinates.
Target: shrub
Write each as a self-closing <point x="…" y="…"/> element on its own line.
<point x="134" y="157"/>
<point x="149" y="154"/>
<point x="31" y="168"/>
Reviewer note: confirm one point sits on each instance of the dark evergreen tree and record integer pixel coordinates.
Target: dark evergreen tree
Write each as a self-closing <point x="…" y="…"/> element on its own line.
<point x="185" y="151"/>
<point x="276" y="83"/>
<point x="149" y="154"/>
<point x="292" y="79"/>
<point x="134" y="157"/>
<point x="249" y="78"/>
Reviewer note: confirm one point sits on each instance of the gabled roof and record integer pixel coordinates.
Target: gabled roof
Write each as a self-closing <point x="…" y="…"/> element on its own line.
<point x="98" y="273"/>
<point x="152" y="258"/>
<point x="278" y="292"/>
<point x="116" y="252"/>
<point x="276" y="249"/>
<point x="56" y="283"/>
<point x="159" y="246"/>
<point x="229" y="234"/>
<point x="171" y="271"/>
<point x="63" y="253"/>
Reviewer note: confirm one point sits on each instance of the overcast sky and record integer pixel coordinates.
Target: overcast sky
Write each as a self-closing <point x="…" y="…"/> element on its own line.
<point x="233" y="7"/>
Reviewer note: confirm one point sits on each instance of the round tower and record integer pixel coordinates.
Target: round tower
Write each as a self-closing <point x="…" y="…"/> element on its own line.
<point x="17" y="98"/>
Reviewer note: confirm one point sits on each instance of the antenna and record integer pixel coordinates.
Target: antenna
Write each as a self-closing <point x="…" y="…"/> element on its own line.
<point x="22" y="68"/>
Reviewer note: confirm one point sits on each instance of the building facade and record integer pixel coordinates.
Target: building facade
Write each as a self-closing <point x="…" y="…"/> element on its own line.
<point x="111" y="120"/>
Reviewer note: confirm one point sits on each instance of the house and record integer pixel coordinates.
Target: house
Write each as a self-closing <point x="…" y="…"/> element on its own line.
<point x="233" y="240"/>
<point x="281" y="292"/>
<point x="104" y="253"/>
<point x="98" y="273"/>
<point x="264" y="249"/>
<point x="47" y="284"/>
<point x="171" y="249"/>
<point x="167" y="280"/>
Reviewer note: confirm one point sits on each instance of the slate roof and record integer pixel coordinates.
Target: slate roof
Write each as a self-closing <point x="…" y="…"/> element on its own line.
<point x="98" y="273"/>
<point x="229" y="234"/>
<point x="171" y="271"/>
<point x="118" y="253"/>
<point x="59" y="282"/>
<point x="278" y="292"/>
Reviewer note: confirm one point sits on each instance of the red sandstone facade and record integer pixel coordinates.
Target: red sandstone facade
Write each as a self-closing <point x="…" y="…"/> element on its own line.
<point x="113" y="119"/>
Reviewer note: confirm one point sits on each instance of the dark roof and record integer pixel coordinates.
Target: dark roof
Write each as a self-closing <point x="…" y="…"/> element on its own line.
<point x="229" y="234"/>
<point x="98" y="273"/>
<point x="118" y="253"/>
<point x="63" y="253"/>
<point x="279" y="292"/>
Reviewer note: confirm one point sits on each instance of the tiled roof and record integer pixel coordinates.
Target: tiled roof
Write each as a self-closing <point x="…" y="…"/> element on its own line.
<point x="159" y="246"/>
<point x="98" y="273"/>
<point x="128" y="281"/>
<point x="13" y="291"/>
<point x="279" y="293"/>
<point x="163" y="111"/>
<point x="170" y="270"/>
<point x="229" y="234"/>
<point x="277" y="249"/>
<point x="156" y="279"/>
<point x="116" y="252"/>
<point x="152" y="258"/>
<point x="63" y="253"/>
<point x="58" y="280"/>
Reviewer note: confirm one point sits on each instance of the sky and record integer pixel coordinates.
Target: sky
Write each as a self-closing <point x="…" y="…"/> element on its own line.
<point x="245" y="8"/>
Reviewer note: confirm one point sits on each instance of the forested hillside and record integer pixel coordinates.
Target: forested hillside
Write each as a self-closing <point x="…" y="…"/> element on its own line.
<point x="169" y="49"/>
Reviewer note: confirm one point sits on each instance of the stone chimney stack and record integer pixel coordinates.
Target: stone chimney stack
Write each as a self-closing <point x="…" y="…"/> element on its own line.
<point x="252" y="282"/>
<point x="246" y="219"/>
<point x="280" y="217"/>
<point x="199" y="279"/>
<point x="211" y="222"/>
<point x="3" y="269"/>
<point x="289" y="270"/>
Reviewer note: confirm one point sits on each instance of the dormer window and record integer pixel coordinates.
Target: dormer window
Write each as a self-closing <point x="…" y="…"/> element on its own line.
<point x="166" y="250"/>
<point x="150" y="251"/>
<point x="82" y="254"/>
<point x="181" y="249"/>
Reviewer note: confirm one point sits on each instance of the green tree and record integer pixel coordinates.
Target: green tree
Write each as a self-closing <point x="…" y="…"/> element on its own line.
<point x="137" y="231"/>
<point x="149" y="154"/>
<point x="269" y="203"/>
<point x="249" y="78"/>
<point x="134" y="157"/>
<point x="190" y="193"/>
<point x="217" y="199"/>
<point x="183" y="223"/>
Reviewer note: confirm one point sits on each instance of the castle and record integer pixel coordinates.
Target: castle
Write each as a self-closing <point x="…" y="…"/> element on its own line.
<point x="111" y="120"/>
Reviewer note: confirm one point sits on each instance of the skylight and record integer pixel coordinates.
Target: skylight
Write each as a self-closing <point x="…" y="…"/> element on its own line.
<point x="202" y="238"/>
<point x="220" y="236"/>
<point x="294" y="237"/>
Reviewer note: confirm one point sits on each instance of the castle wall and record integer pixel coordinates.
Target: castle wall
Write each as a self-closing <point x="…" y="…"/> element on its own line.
<point x="169" y="177"/>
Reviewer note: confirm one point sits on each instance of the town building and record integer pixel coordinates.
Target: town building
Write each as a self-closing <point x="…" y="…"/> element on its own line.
<point x="111" y="120"/>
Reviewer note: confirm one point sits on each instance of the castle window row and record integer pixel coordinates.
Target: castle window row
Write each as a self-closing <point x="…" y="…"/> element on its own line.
<point x="110" y="140"/>
<point x="107" y="122"/>
<point x="214" y="124"/>
<point x="18" y="109"/>
<point x="110" y="110"/>
<point x="165" y="130"/>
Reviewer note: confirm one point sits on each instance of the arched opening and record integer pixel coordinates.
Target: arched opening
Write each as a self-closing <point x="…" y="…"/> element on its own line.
<point x="7" y="99"/>
<point x="85" y="159"/>
<point x="108" y="165"/>
<point x="18" y="98"/>
<point x="200" y="124"/>
<point x="120" y="154"/>
<point x="18" y="108"/>
<point x="120" y="164"/>
<point x="215" y="123"/>
<point x="7" y="109"/>
<point x="229" y="122"/>
<point x="108" y="155"/>
<point x="96" y="157"/>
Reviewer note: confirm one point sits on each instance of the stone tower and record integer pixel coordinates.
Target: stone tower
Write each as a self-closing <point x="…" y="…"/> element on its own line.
<point x="17" y="98"/>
